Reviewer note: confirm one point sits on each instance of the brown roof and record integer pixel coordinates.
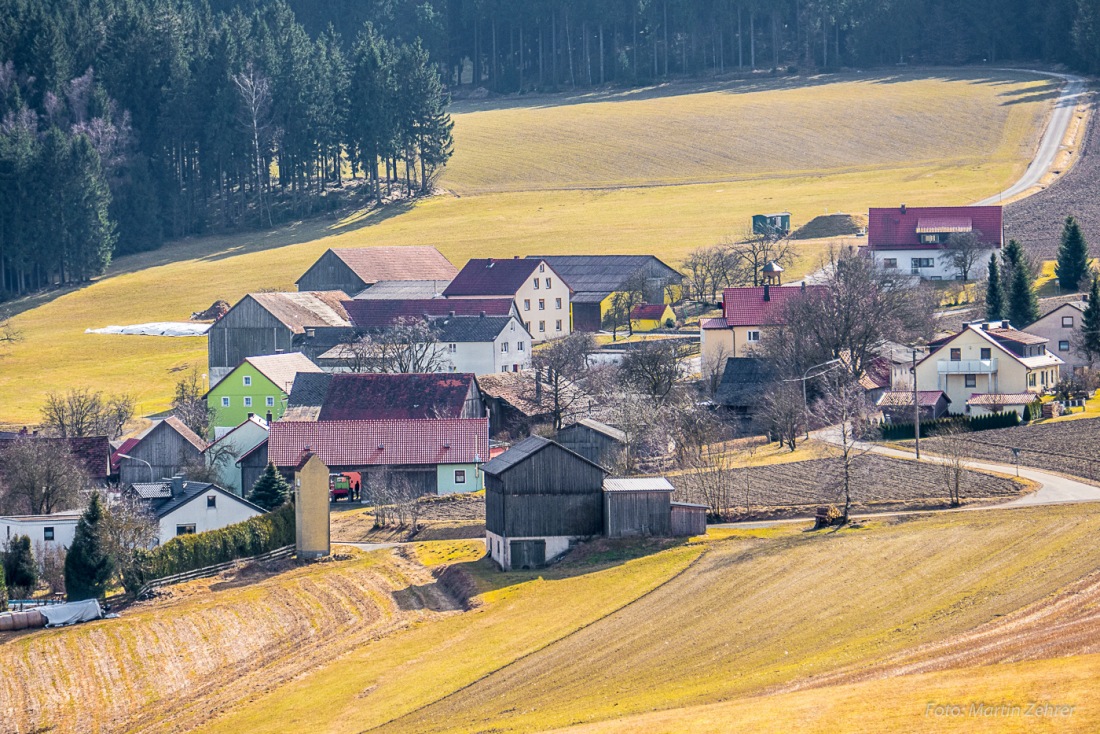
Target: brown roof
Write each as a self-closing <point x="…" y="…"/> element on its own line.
<point x="410" y="262"/>
<point x="998" y="399"/>
<point x="303" y="309"/>
<point x="518" y="390"/>
<point x="904" y="398"/>
<point x="179" y="427"/>
<point x="1015" y="335"/>
<point x="366" y="397"/>
<point x="281" y="368"/>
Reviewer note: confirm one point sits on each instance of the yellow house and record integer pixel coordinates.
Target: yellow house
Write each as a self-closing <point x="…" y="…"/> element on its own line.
<point x="746" y="313"/>
<point x="311" y="498"/>
<point x="989" y="364"/>
<point x="651" y="316"/>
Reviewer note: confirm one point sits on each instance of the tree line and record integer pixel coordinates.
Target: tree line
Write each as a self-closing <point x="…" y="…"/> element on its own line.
<point x="126" y="122"/>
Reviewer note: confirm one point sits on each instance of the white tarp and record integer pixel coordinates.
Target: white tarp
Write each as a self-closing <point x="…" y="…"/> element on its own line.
<point x="78" y="611"/>
<point x="157" y="328"/>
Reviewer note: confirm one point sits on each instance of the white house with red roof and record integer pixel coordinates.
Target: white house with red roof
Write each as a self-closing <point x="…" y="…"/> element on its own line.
<point x="989" y="366"/>
<point x="541" y="295"/>
<point x="911" y="240"/>
<point x="746" y="314"/>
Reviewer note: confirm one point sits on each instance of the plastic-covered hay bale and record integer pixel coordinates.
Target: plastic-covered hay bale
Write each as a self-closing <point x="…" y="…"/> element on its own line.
<point x="7" y="623"/>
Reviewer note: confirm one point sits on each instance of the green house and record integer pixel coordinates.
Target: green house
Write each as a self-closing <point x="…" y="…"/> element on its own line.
<point x="258" y="385"/>
<point x="775" y="225"/>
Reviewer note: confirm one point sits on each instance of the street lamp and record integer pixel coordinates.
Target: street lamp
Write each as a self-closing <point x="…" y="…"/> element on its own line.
<point x="143" y="461"/>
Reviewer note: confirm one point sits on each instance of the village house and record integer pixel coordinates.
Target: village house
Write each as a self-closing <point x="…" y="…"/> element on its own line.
<point x="354" y="269"/>
<point x="183" y="508"/>
<point x="427" y="430"/>
<point x="1061" y="327"/>
<point x="45" y="531"/>
<point x="539" y="292"/>
<point x="744" y="382"/>
<point x="224" y="455"/>
<point x="988" y="358"/>
<point x="258" y="385"/>
<point x="746" y="314"/>
<point x="162" y="450"/>
<point x="275" y="323"/>
<point x="652" y="316"/>
<point x="911" y="240"/>
<point x="595" y="279"/>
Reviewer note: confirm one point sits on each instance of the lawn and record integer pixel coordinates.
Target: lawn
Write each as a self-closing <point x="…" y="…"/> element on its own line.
<point x="675" y="167"/>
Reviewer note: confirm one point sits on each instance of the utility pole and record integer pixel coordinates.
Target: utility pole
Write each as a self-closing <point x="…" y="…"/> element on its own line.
<point x="916" y="405"/>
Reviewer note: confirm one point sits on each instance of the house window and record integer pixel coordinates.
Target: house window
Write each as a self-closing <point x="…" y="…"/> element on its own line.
<point x="922" y="262"/>
<point x="542" y="326"/>
<point x="536" y="283"/>
<point x="970" y="381"/>
<point x="270" y="402"/>
<point x="248" y="381"/>
<point x="185" y="529"/>
<point x="460" y="476"/>
<point x="548" y="283"/>
<point x="47" y="533"/>
<point x="247" y="401"/>
<point x="1067" y="322"/>
<point x="526" y="304"/>
<point x="956" y="354"/>
<point x="1063" y="346"/>
<point x="1031" y="379"/>
<point x="225" y="402"/>
<point x="511" y="326"/>
<point x="527" y="325"/>
<point x="1043" y="377"/>
<point x="504" y="368"/>
<point x="452" y="348"/>
<point x="557" y="325"/>
<point x="504" y="347"/>
<point x="987" y="353"/>
<point x="752" y="336"/>
<point x="930" y="239"/>
<point x="890" y="263"/>
<point x="557" y="303"/>
<point x="519" y="346"/>
<point x="542" y="267"/>
<point x="212" y="500"/>
<point x="542" y="304"/>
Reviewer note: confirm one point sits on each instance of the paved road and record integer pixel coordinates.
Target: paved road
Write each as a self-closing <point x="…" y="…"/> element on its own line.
<point x="1051" y="143"/>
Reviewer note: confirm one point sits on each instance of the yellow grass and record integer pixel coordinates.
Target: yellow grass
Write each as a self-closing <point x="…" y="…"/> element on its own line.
<point x="837" y="146"/>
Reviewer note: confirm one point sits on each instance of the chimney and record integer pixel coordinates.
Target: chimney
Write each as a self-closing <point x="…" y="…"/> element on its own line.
<point x="767" y="292"/>
<point x="803" y="285"/>
<point x="515" y="257"/>
<point x="250" y="415"/>
<point x="985" y="326"/>
<point x="269" y="417"/>
<point x="1005" y="325"/>
<point x="452" y="314"/>
<point x="903" y="208"/>
<point x="482" y="314"/>
<point x="176" y="483"/>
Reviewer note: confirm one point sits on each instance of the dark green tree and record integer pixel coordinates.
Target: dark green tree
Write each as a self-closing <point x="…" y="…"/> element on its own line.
<point x="1023" y="304"/>
<point x="1073" y="256"/>
<point x="88" y="567"/>
<point x="1088" y="345"/>
<point x="19" y="568"/>
<point x="3" y="591"/>
<point x="270" y="490"/>
<point x="994" y="292"/>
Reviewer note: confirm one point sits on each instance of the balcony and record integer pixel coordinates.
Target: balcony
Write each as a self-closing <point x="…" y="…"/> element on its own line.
<point x="967" y="367"/>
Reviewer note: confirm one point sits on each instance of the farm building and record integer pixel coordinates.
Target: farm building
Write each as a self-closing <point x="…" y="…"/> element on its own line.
<point x="162" y="451"/>
<point x="651" y="316"/>
<point x="637" y="506"/>
<point x="258" y="385"/>
<point x="251" y="464"/>
<point x="688" y="519"/>
<point x="366" y="314"/>
<point x="897" y="406"/>
<point x="354" y="269"/>
<point x="182" y="507"/>
<point x="745" y="381"/>
<point x="274" y="323"/>
<point x="911" y="240"/>
<point x="403" y="290"/>
<point x="224" y="454"/>
<point x="93" y="452"/>
<point x="594" y="441"/>
<point x="538" y="290"/>
<point x="773" y="225"/>
<point x="57" y="528"/>
<point x="594" y="279"/>
<point x="519" y="401"/>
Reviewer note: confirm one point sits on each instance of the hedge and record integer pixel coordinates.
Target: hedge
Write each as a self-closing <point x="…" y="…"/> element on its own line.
<point x="190" y="552"/>
<point x="904" y="431"/>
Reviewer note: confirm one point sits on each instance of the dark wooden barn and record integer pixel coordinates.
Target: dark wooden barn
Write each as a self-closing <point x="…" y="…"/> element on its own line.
<point x="161" y="452"/>
<point x="539" y="497"/>
<point x="252" y="465"/>
<point x="594" y="441"/>
<point x="637" y="506"/>
<point x="688" y="519"/>
<point x="355" y="268"/>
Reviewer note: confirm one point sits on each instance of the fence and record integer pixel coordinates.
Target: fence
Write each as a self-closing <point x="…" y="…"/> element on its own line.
<point x="201" y="573"/>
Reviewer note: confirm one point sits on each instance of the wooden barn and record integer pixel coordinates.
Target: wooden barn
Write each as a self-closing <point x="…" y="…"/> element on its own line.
<point x="355" y="268"/>
<point x="594" y="441"/>
<point x="688" y="518"/>
<point x="164" y="449"/>
<point x="539" y="498"/>
<point x="637" y="506"/>
<point x="252" y="464"/>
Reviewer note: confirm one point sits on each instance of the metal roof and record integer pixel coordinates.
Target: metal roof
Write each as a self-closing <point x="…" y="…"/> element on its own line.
<point x="525" y="449"/>
<point x="593" y="277"/>
<point x="637" y="484"/>
<point x="401" y="289"/>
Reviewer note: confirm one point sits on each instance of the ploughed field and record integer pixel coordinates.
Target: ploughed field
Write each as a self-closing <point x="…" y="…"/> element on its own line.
<point x="660" y="170"/>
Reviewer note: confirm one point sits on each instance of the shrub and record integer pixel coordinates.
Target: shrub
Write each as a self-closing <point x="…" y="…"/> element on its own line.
<point x="270" y="490"/>
<point x="19" y="568"/>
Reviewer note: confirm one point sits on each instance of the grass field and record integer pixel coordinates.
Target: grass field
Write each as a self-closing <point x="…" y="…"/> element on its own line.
<point x="647" y="171"/>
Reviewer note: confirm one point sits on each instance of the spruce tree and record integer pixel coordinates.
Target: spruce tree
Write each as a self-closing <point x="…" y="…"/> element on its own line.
<point x="1073" y="256"/>
<point x="1023" y="304"/>
<point x="88" y="567"/>
<point x="1089" y="345"/>
<point x="19" y="568"/>
<point x="994" y="292"/>
<point x="3" y="591"/>
<point x="270" y="490"/>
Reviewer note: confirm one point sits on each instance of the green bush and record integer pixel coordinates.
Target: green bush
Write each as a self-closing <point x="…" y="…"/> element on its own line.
<point x="928" y="429"/>
<point x="191" y="552"/>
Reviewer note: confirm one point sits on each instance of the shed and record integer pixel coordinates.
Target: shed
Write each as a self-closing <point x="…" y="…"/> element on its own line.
<point x="778" y="224"/>
<point x="252" y="464"/>
<point x="688" y="519"/>
<point x="167" y="446"/>
<point x="637" y="506"/>
<point x="595" y="441"/>
<point x="651" y="316"/>
<point x="354" y="268"/>
<point x="539" y="498"/>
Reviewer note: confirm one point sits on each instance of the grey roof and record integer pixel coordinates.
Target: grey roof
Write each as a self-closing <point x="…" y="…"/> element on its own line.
<point x="674" y="503"/>
<point x="637" y="484"/>
<point x="309" y="388"/>
<point x="742" y="382"/>
<point x="403" y="289"/>
<point x="594" y="425"/>
<point x="152" y="490"/>
<point x="191" y="491"/>
<point x="471" y="328"/>
<point x="598" y="274"/>
<point x="523" y="450"/>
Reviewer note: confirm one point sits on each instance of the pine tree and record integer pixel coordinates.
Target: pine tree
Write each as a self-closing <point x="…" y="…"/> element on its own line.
<point x="1023" y="304"/>
<point x="270" y="490"/>
<point x="1089" y="345"/>
<point x="19" y="568"/>
<point x="1073" y="256"/>
<point x="994" y="292"/>
<point x="88" y="568"/>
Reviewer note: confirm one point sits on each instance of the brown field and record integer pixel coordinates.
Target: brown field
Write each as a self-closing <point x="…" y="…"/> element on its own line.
<point x="449" y="517"/>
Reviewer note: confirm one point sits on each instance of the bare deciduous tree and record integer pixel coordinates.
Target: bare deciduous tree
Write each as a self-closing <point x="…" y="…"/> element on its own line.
<point x="785" y="411"/>
<point x="623" y="301"/>
<point x="654" y="367"/>
<point x="84" y="412"/>
<point x="843" y="404"/>
<point x="962" y="251"/>
<point x="754" y="251"/>
<point x="128" y="528"/>
<point x="39" y="476"/>
<point x="559" y="365"/>
<point x="952" y="451"/>
<point x="711" y="479"/>
<point x="190" y="406"/>
<point x="408" y="345"/>
<point x="255" y="118"/>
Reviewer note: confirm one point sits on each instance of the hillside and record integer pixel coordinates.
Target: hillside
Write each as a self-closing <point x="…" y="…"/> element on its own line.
<point x="660" y="170"/>
<point x="742" y="614"/>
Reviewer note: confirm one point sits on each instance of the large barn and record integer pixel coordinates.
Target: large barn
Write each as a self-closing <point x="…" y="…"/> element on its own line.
<point x="353" y="269"/>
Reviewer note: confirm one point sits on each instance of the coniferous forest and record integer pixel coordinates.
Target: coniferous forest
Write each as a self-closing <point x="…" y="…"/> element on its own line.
<point x="124" y="123"/>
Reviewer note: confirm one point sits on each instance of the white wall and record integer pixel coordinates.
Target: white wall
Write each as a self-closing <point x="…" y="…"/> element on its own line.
<point x="513" y="335"/>
<point x="227" y="511"/>
<point x="34" y="526"/>
<point x="500" y="548"/>
<point x="484" y="358"/>
<point x="245" y="438"/>
<point x="527" y="298"/>
<point x="941" y="269"/>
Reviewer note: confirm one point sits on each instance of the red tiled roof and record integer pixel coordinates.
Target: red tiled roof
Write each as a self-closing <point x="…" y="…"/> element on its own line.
<point x="718" y="323"/>
<point x="747" y="307"/>
<point x="893" y="229"/>
<point x="352" y="397"/>
<point x="1002" y="400"/>
<point x="491" y="277"/>
<point x="380" y="443"/>
<point x="369" y="314"/>
<point x="877" y="374"/>
<point x="648" y="311"/>
<point x="124" y="448"/>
